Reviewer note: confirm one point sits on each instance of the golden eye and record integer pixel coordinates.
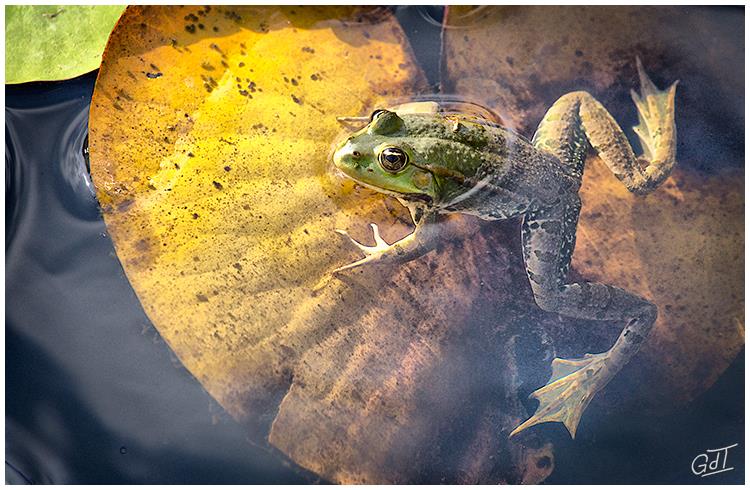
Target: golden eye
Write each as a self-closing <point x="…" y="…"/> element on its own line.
<point x="393" y="159"/>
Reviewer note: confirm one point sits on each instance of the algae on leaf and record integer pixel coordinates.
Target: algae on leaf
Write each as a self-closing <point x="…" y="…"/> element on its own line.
<point x="55" y="42"/>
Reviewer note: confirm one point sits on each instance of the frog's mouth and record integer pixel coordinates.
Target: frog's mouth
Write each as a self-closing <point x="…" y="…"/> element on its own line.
<point x="423" y="198"/>
<point x="414" y="196"/>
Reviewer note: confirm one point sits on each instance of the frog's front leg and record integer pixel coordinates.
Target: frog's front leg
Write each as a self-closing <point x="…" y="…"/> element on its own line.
<point x="548" y="241"/>
<point x="418" y="243"/>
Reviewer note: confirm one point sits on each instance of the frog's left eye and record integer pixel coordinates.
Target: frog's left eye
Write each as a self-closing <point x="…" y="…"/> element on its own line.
<point x="393" y="159"/>
<point x="376" y="113"/>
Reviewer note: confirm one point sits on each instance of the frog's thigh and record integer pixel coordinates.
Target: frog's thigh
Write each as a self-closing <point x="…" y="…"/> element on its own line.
<point x="548" y="244"/>
<point x="561" y="132"/>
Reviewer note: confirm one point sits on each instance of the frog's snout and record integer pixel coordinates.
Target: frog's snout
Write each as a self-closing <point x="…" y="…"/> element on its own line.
<point x="346" y="158"/>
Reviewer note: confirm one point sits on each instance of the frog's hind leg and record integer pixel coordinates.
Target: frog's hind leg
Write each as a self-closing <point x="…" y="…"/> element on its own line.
<point x="561" y="133"/>
<point x="548" y="242"/>
<point x="578" y="113"/>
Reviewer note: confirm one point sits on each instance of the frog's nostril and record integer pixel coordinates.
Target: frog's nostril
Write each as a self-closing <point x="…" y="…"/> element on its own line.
<point x="342" y="158"/>
<point x="356" y="154"/>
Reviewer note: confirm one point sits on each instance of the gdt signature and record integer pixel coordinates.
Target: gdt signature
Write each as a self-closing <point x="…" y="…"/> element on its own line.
<point x="711" y="462"/>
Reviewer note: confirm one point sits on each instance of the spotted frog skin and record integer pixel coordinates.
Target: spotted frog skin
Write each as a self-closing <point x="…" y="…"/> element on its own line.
<point x="438" y="164"/>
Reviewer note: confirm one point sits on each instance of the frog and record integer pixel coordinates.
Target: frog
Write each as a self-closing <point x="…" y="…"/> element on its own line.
<point x="438" y="163"/>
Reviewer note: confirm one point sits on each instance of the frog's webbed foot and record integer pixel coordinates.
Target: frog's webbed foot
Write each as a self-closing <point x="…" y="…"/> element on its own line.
<point x="655" y="111"/>
<point x="418" y="243"/>
<point x="656" y="126"/>
<point x="573" y="384"/>
<point x="372" y="253"/>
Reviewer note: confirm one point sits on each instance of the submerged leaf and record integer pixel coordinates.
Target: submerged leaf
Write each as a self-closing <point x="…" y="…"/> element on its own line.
<point x="682" y="246"/>
<point x="55" y="42"/>
<point x="211" y="129"/>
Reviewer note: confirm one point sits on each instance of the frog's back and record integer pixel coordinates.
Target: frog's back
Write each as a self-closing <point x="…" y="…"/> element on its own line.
<point x="514" y="177"/>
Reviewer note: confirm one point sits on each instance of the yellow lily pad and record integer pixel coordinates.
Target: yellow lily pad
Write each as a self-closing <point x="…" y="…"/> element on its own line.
<point x="681" y="246"/>
<point x="210" y="134"/>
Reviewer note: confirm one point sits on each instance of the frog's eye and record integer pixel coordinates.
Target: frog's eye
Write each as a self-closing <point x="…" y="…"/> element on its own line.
<point x="376" y="113"/>
<point x="393" y="159"/>
<point x="385" y="122"/>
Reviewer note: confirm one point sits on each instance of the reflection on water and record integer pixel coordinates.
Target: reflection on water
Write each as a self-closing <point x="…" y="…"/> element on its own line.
<point x="450" y="104"/>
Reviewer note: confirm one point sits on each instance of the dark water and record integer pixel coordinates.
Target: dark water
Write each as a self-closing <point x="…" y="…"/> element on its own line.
<point x="93" y="395"/>
<point x="92" y="392"/>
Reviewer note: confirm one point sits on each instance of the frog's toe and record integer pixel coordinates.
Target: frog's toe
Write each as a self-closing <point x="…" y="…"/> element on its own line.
<point x="346" y="234"/>
<point x="352" y="120"/>
<point x="573" y="384"/>
<point x="372" y="253"/>
<point x="355" y="264"/>
<point x="359" y="245"/>
<point x="380" y="244"/>
<point x="655" y="113"/>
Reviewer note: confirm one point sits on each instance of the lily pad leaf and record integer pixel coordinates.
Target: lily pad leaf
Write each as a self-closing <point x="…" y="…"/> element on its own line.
<point x="55" y="42"/>
<point x="210" y="137"/>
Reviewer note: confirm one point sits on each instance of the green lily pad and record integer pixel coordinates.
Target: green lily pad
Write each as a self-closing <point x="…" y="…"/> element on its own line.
<point x="55" y="42"/>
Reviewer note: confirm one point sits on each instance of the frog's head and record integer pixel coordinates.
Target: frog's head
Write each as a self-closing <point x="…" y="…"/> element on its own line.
<point x="381" y="157"/>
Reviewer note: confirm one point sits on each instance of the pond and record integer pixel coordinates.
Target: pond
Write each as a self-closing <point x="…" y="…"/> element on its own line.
<point x="97" y="393"/>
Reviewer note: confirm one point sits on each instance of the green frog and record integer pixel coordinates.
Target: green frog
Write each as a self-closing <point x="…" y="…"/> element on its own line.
<point x="436" y="163"/>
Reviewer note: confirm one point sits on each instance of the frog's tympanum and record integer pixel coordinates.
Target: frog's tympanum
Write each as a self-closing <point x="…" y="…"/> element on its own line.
<point x="438" y="163"/>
